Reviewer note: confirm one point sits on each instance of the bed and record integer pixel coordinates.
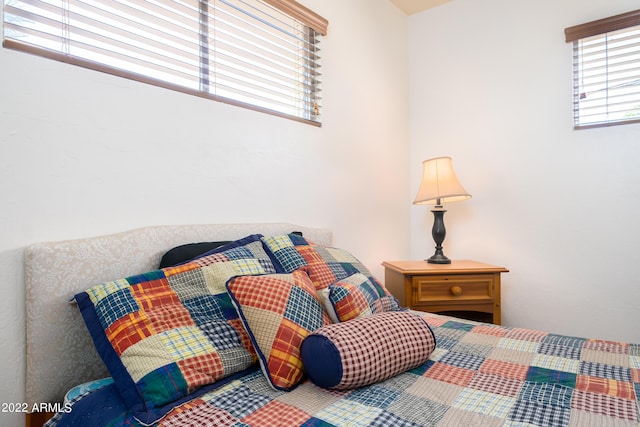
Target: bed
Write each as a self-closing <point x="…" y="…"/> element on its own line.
<point x="336" y="350"/>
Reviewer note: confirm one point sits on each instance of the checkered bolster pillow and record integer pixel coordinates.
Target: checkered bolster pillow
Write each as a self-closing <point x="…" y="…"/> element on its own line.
<point x="366" y="350"/>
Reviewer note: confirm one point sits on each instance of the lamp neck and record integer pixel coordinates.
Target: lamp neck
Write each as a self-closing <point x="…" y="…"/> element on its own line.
<point x="438" y="232"/>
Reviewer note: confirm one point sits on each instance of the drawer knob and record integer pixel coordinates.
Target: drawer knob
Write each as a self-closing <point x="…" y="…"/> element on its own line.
<point x="456" y="290"/>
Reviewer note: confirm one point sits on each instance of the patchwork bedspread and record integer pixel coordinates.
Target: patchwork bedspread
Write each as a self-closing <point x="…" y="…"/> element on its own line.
<point x="479" y="375"/>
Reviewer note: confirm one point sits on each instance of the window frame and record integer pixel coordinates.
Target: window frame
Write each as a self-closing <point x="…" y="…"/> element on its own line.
<point x="600" y="27"/>
<point x="292" y="8"/>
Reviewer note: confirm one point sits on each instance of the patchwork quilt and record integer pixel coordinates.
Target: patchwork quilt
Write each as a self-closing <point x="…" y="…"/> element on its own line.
<point x="478" y="375"/>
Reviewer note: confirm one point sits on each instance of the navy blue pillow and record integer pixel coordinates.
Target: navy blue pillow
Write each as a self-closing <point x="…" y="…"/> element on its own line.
<point x="189" y="251"/>
<point x="183" y="253"/>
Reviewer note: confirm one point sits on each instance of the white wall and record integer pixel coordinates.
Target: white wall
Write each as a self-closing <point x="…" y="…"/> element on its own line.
<point x="491" y="86"/>
<point x="84" y="153"/>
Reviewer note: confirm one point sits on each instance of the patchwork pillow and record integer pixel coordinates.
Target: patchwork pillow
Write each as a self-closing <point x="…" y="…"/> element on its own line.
<point x="167" y="334"/>
<point x="366" y="350"/>
<point x="279" y="311"/>
<point x="325" y="265"/>
<point x="357" y="296"/>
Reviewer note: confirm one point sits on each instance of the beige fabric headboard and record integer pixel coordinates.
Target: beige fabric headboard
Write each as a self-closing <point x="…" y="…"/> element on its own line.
<point x="60" y="353"/>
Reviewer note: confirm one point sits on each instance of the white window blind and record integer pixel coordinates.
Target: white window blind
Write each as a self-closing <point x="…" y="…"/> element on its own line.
<point x="259" y="54"/>
<point x="606" y="71"/>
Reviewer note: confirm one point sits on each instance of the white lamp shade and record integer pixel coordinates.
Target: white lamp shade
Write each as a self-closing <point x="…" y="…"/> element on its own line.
<point x="439" y="183"/>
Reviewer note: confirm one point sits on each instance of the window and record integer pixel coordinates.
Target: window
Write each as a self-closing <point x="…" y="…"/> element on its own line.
<point x="258" y="54"/>
<point x="606" y="71"/>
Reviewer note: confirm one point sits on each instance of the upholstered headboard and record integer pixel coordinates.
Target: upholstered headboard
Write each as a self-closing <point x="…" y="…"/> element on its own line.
<point x="60" y="353"/>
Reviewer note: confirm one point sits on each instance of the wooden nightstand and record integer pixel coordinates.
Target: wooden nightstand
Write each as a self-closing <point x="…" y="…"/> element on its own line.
<point x="466" y="289"/>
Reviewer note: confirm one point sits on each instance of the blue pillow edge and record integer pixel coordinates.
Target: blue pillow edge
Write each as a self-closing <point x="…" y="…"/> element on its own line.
<point x="123" y="381"/>
<point x="321" y="361"/>
<point x="418" y="315"/>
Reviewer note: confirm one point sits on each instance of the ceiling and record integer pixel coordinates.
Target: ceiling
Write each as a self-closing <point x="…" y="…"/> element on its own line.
<point x="414" y="6"/>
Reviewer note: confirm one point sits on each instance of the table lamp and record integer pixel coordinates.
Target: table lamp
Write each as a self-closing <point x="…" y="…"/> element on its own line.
<point x="439" y="185"/>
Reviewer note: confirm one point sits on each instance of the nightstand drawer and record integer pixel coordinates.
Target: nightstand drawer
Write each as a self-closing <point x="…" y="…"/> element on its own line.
<point x="468" y="288"/>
